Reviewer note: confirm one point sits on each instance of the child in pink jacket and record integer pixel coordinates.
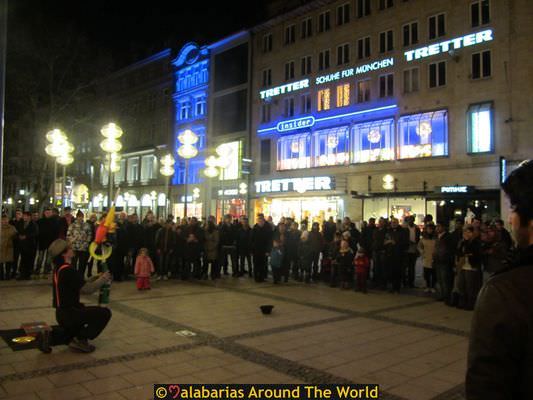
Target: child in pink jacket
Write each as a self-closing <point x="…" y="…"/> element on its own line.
<point x="143" y="268"/>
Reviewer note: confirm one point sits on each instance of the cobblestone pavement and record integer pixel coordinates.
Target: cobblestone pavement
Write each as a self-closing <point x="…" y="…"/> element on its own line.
<point x="412" y="346"/>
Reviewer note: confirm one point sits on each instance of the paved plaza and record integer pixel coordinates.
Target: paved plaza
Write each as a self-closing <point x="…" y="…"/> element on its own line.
<point x="213" y="332"/>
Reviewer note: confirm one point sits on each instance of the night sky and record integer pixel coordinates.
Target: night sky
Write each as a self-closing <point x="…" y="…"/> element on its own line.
<point x="132" y="30"/>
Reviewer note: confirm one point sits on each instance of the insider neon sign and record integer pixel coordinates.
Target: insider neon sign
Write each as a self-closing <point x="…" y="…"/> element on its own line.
<point x="448" y="45"/>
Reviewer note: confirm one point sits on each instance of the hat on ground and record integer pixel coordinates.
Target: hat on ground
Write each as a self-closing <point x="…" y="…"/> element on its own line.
<point x="57" y="247"/>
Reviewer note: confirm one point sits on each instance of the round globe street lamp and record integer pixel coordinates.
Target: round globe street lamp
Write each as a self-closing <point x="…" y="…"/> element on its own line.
<point x="216" y="166"/>
<point x="167" y="169"/>
<point x="389" y="183"/>
<point x="187" y="150"/>
<point x="111" y="145"/>
<point x="59" y="148"/>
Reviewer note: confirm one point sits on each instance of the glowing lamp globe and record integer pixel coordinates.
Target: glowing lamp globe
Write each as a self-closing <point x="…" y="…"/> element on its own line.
<point x="110" y="145"/>
<point x="211" y="162"/>
<point x="53" y="150"/>
<point x="211" y="172"/>
<point x="65" y="159"/>
<point x="56" y="135"/>
<point x="187" y="151"/>
<point x="166" y="170"/>
<point x="224" y="150"/>
<point x="188" y="137"/>
<point x="111" y="131"/>
<point x="168" y="160"/>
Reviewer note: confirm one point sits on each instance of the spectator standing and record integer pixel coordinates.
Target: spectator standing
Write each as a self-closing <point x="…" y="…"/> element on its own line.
<point x="345" y="259"/>
<point x="362" y="266"/>
<point x="317" y="245"/>
<point x="379" y="254"/>
<point x="211" y="253"/>
<point x="412" y="251"/>
<point x="28" y="246"/>
<point x="18" y="224"/>
<point x="7" y="249"/>
<point x="64" y="222"/>
<point x="443" y="262"/>
<point x="48" y="232"/>
<point x="144" y="267"/>
<point x="228" y="246"/>
<point x="261" y="246"/>
<point x="293" y="241"/>
<point x="305" y="254"/>
<point x="426" y="246"/>
<point x="367" y="235"/>
<point x="276" y="260"/>
<point x="165" y="242"/>
<point x="79" y="237"/>
<point x="396" y="243"/>
<point x="468" y="268"/>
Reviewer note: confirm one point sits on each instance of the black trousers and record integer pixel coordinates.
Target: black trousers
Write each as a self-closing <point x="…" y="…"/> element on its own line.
<point x="260" y="267"/>
<point x="79" y="261"/>
<point x="7" y="271"/>
<point x="248" y="258"/>
<point x="409" y="271"/>
<point x="230" y="251"/>
<point x="84" y="322"/>
<point x="27" y="258"/>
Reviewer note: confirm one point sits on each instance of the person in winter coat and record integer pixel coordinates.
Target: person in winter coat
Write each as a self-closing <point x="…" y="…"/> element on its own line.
<point x="28" y="246"/>
<point x="379" y="275"/>
<point x="281" y="235"/>
<point x="244" y="250"/>
<point x="468" y="269"/>
<point x="293" y="241"/>
<point x="7" y="250"/>
<point x="261" y="246"/>
<point x="48" y="232"/>
<point x="443" y="262"/>
<point x="276" y="260"/>
<point x="317" y="245"/>
<point x="500" y="354"/>
<point x="345" y="259"/>
<point x="362" y="266"/>
<point x="165" y="242"/>
<point x="144" y="267"/>
<point x="396" y="244"/>
<point x="228" y="246"/>
<point x="192" y="259"/>
<point x="211" y="250"/>
<point x="426" y="247"/>
<point x="412" y="251"/>
<point x="79" y="237"/>
<point x="305" y="254"/>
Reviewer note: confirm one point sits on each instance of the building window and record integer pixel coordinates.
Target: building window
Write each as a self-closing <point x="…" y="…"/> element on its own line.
<point x="363" y="91"/>
<point x="294" y="152"/>
<point x="437" y="74"/>
<point x="343" y="95"/>
<point x="133" y="169"/>
<point x="423" y="135"/>
<point x="363" y="8"/>
<point x="386" y="85"/>
<point x="266" y="155"/>
<point x="290" y="34"/>
<point x="481" y="65"/>
<point x="343" y="14"/>
<point x="305" y="103"/>
<point x="200" y="106"/>
<point x="383" y="4"/>
<point x="386" y="41"/>
<point x="323" y="60"/>
<point x="307" y="28"/>
<point x="289" y="70"/>
<point x="480" y="13"/>
<point x="343" y="54"/>
<point x="324" y="22"/>
<point x="479" y="129"/>
<point x="147" y="168"/>
<point x="324" y="100"/>
<point x="306" y="64"/>
<point x="331" y="147"/>
<point x="185" y="110"/>
<point x="437" y="26"/>
<point x="363" y="48"/>
<point x="411" y="80"/>
<point x="267" y="78"/>
<point x="265" y="113"/>
<point x="288" y="107"/>
<point x="373" y="141"/>
<point x="410" y="34"/>
<point x="267" y="43"/>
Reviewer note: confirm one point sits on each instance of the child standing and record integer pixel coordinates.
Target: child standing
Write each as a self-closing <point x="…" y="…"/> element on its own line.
<point x="276" y="260"/>
<point x="426" y="246"/>
<point x="362" y="266"/>
<point x="143" y="268"/>
<point x="344" y="263"/>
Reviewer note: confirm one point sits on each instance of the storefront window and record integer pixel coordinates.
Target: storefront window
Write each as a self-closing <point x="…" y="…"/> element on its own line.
<point x="331" y="146"/>
<point x="373" y="141"/>
<point x="312" y="209"/>
<point x="294" y="152"/>
<point x="423" y="135"/>
<point x="480" y="137"/>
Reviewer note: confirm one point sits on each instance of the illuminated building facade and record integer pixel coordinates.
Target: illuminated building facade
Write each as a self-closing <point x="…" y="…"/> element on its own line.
<point x="211" y="98"/>
<point x="354" y="91"/>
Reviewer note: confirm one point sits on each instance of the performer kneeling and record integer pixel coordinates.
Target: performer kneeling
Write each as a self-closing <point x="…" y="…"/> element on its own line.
<point x="79" y="322"/>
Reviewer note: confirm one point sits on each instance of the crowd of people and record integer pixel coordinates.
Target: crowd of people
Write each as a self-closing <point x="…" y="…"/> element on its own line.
<point x="380" y="253"/>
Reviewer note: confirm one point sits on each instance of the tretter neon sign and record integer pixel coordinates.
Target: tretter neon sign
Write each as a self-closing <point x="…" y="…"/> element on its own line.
<point x="362" y="69"/>
<point x="298" y="123"/>
<point x="299" y="185"/>
<point x="290" y="87"/>
<point x="448" y="45"/>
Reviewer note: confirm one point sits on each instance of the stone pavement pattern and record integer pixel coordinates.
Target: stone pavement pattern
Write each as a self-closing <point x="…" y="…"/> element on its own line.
<point x="414" y="347"/>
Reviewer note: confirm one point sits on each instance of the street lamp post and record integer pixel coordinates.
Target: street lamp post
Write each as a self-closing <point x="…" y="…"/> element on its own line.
<point x="167" y="170"/>
<point x="216" y="166"/>
<point x="388" y="184"/>
<point x="59" y="148"/>
<point x="111" y="145"/>
<point x="187" y="150"/>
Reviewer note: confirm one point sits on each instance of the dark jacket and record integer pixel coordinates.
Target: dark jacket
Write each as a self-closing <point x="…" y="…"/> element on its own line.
<point x="444" y="250"/>
<point x="378" y="239"/>
<point x="317" y="241"/>
<point x="149" y="233"/>
<point x="228" y="235"/>
<point x="165" y="239"/>
<point x="400" y="237"/>
<point x="48" y="232"/>
<point x="367" y="236"/>
<point x="262" y="239"/>
<point x="135" y="235"/>
<point x="472" y="250"/>
<point x="305" y="252"/>
<point x="293" y="240"/>
<point x="500" y="355"/>
<point x="30" y="232"/>
<point x="244" y="241"/>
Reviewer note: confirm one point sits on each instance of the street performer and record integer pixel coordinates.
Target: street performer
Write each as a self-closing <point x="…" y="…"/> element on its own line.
<point x="80" y="322"/>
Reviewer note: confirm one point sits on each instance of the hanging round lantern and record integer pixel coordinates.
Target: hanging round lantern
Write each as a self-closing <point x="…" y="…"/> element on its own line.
<point x="374" y="136"/>
<point x="187" y="151"/>
<point x="333" y="140"/>
<point x="295" y="146"/>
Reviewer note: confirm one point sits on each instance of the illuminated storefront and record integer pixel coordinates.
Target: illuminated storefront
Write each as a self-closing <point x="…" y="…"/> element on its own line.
<point x="313" y="198"/>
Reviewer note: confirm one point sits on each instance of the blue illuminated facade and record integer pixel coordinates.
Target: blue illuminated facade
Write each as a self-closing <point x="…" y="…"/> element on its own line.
<point x="191" y="77"/>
